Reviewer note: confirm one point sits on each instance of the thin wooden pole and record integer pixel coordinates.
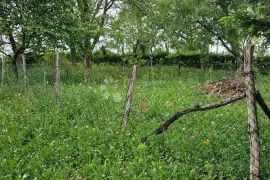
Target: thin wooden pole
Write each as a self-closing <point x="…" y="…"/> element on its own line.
<point x="3" y="70"/>
<point x="58" y="83"/>
<point x="25" y="80"/>
<point x="253" y="128"/>
<point x="44" y="74"/>
<point x="129" y="97"/>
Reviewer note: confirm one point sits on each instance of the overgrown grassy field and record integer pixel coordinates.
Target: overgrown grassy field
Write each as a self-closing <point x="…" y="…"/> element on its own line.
<point x="83" y="139"/>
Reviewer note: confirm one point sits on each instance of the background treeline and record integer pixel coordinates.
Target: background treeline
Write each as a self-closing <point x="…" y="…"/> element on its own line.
<point x="191" y="60"/>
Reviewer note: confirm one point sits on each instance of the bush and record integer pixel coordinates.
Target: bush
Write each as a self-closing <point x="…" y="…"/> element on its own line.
<point x="263" y="64"/>
<point x="194" y="60"/>
<point x="50" y="57"/>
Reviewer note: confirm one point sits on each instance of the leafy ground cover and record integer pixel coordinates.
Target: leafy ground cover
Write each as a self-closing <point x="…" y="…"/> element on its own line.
<point x="82" y="139"/>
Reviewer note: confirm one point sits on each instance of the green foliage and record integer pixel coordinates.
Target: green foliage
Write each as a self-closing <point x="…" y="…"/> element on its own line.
<point x="194" y="60"/>
<point x="263" y="64"/>
<point x="82" y="139"/>
<point x="50" y="58"/>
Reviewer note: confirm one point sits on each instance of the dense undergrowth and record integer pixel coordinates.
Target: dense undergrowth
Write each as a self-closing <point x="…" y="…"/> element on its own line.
<point x="82" y="138"/>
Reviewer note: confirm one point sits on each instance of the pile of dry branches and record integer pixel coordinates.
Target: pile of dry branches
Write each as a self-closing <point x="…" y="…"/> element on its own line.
<point x="230" y="86"/>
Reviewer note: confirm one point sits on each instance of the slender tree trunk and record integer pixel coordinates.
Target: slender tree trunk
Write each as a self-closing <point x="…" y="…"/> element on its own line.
<point x="44" y="74"/>
<point x="136" y="46"/>
<point x="217" y="44"/>
<point x="73" y="54"/>
<point x="15" y="56"/>
<point x="167" y="46"/>
<point x="15" y="69"/>
<point x="87" y="66"/>
<point x="151" y="60"/>
<point x="3" y="71"/>
<point x="123" y="49"/>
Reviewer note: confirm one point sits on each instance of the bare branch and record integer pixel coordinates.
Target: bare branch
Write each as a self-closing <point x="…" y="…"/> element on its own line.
<point x="5" y="53"/>
<point x="110" y="4"/>
<point x="219" y="38"/>
<point x="98" y="5"/>
<point x="195" y="108"/>
<point x="262" y="104"/>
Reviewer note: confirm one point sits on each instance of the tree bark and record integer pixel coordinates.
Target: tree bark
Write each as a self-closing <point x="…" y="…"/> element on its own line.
<point x="73" y="54"/>
<point x="3" y="70"/>
<point x="87" y="66"/>
<point x="15" y="70"/>
<point x="44" y="74"/>
<point x="136" y="46"/>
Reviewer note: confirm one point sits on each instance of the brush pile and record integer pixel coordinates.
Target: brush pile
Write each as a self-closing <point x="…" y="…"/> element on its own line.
<point x="230" y="86"/>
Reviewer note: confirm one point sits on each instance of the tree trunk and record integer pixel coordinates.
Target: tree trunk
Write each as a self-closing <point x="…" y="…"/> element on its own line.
<point x="16" y="55"/>
<point x="87" y="61"/>
<point x="87" y="66"/>
<point x="123" y="49"/>
<point x="167" y="47"/>
<point x="73" y="54"/>
<point x="3" y="70"/>
<point x="136" y="46"/>
<point x="239" y="63"/>
<point x="15" y="69"/>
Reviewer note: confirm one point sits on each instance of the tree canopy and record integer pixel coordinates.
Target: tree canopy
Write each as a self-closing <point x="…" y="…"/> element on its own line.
<point x="128" y="26"/>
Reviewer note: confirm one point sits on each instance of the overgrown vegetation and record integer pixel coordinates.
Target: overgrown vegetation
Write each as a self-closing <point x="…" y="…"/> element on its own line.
<point x="82" y="139"/>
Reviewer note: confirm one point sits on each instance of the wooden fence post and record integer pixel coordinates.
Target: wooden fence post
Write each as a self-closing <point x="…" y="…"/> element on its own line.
<point x="129" y="97"/>
<point x="25" y="80"/>
<point x="253" y="128"/>
<point x="44" y="73"/>
<point x="3" y="71"/>
<point x="58" y="83"/>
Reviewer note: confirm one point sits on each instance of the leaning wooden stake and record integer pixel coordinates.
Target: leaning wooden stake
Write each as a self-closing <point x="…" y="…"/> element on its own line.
<point x="58" y="83"/>
<point x="25" y="80"/>
<point x="163" y="127"/>
<point x="129" y="97"/>
<point x="3" y="71"/>
<point x="253" y="128"/>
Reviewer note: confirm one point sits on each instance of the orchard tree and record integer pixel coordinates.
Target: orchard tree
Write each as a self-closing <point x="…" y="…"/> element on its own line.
<point x="232" y="23"/>
<point x="94" y="15"/>
<point x="256" y="19"/>
<point x="34" y="24"/>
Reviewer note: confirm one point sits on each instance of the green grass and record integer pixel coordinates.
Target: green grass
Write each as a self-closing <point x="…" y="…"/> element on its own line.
<point x="82" y="139"/>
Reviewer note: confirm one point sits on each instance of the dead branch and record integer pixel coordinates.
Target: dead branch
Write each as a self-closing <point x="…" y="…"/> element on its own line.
<point x="195" y="108"/>
<point x="262" y="104"/>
